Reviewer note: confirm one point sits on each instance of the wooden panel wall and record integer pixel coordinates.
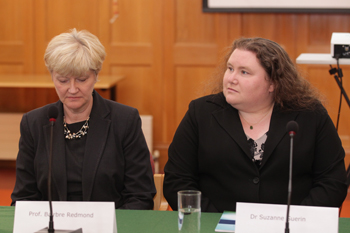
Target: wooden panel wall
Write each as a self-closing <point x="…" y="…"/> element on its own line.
<point x="167" y="49"/>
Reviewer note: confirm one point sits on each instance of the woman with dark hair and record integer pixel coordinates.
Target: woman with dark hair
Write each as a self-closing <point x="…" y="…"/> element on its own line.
<point x="233" y="145"/>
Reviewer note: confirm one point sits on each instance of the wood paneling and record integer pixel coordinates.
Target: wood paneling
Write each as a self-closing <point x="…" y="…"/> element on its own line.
<point x="16" y="37"/>
<point x="166" y="49"/>
<point x="55" y="17"/>
<point x="190" y="84"/>
<point x="315" y="32"/>
<point x="135" y="48"/>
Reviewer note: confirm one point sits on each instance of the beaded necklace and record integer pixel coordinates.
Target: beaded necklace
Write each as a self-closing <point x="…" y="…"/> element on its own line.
<point x="79" y="134"/>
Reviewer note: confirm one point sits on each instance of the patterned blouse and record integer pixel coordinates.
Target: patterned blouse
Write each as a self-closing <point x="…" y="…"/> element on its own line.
<point x="257" y="148"/>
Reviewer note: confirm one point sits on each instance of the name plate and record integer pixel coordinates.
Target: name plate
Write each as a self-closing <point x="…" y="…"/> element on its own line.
<point x="92" y="217"/>
<point x="269" y="218"/>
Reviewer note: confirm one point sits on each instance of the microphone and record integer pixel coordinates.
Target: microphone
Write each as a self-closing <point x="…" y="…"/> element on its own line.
<point x="52" y="114"/>
<point x="292" y="128"/>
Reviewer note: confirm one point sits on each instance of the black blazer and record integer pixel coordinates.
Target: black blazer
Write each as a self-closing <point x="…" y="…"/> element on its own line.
<point x="210" y="153"/>
<point x="116" y="164"/>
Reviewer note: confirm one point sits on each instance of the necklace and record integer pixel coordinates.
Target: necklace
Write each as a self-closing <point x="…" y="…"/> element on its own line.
<point x="251" y="125"/>
<point x="79" y="134"/>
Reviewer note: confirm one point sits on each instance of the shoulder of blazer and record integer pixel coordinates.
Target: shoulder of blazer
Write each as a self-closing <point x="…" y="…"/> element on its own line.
<point x="317" y="111"/>
<point x="103" y="106"/>
<point x="217" y="99"/>
<point x="210" y="103"/>
<point x="40" y="115"/>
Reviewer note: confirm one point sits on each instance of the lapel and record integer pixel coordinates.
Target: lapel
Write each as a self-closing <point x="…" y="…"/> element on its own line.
<point x="227" y="117"/>
<point x="277" y="131"/>
<point x="99" y="126"/>
<point x="59" y="174"/>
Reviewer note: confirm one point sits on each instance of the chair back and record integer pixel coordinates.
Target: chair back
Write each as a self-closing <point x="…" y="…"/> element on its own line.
<point x="348" y="176"/>
<point x="159" y="200"/>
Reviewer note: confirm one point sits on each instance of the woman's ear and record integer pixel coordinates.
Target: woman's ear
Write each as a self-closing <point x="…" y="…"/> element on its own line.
<point x="272" y="87"/>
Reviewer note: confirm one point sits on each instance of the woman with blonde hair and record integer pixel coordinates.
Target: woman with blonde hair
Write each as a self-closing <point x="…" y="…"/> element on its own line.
<point x="99" y="150"/>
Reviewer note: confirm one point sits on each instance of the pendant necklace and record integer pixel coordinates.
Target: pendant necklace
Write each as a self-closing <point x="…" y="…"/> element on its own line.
<point x="251" y="125"/>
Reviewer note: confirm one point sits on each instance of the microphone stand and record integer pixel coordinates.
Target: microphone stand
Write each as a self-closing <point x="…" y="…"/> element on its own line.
<point x="51" y="228"/>
<point x="338" y="79"/>
<point x="340" y="84"/>
<point x="290" y="180"/>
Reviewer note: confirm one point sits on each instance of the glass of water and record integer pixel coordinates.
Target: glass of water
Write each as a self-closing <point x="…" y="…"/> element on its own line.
<point x="189" y="210"/>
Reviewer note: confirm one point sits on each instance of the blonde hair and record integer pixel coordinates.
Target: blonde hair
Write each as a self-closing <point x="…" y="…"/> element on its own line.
<point x="74" y="53"/>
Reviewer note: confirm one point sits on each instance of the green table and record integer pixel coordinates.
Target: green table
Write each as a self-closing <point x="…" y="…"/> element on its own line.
<point x="134" y="221"/>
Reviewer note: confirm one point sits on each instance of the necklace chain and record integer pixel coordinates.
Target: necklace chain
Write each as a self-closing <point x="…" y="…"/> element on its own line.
<point x="251" y="125"/>
<point x="79" y="134"/>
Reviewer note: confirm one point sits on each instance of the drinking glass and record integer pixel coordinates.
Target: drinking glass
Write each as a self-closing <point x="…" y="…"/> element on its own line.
<point x="189" y="211"/>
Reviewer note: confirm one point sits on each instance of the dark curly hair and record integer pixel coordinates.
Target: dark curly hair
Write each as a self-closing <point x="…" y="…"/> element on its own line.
<point x="292" y="91"/>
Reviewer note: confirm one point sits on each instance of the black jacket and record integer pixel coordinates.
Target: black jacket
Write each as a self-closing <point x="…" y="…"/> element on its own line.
<point x="116" y="164"/>
<point x="210" y="153"/>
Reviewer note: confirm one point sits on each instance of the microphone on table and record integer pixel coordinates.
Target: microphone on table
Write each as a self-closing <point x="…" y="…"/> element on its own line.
<point x="292" y="128"/>
<point x="52" y="114"/>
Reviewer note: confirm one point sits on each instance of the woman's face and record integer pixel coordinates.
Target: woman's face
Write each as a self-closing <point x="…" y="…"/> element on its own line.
<point x="246" y="85"/>
<point x="75" y="92"/>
